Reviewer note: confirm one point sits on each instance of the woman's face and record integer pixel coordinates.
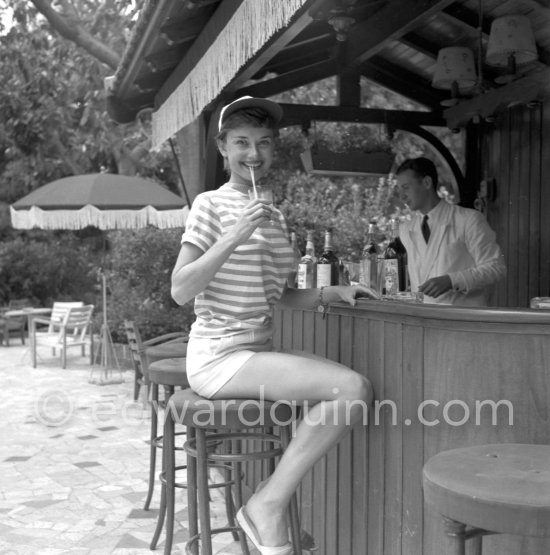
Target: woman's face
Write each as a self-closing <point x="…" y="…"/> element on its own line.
<point x="245" y="148"/>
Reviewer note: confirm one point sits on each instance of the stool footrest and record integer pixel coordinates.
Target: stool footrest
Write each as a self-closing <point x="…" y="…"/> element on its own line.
<point x="193" y="539"/>
<point x="190" y="447"/>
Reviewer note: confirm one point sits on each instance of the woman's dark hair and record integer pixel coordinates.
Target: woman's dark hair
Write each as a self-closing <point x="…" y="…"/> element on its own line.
<point x="255" y="117"/>
<point x="422" y="167"/>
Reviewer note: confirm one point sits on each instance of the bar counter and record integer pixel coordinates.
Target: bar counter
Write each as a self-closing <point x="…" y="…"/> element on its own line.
<point x="443" y="377"/>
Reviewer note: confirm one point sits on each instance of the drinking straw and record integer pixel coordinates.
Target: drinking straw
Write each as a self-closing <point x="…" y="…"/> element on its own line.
<point x="253" y="182"/>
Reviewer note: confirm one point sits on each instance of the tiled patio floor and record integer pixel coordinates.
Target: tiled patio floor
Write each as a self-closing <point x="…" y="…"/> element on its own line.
<point x="74" y="463"/>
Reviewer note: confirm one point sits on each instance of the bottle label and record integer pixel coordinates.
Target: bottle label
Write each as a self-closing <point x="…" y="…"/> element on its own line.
<point x="391" y="276"/>
<point x="302" y="276"/>
<point x="323" y="274"/>
<point x="369" y="273"/>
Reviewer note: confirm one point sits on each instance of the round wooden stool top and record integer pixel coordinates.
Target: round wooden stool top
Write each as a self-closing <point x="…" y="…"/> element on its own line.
<point x="501" y="488"/>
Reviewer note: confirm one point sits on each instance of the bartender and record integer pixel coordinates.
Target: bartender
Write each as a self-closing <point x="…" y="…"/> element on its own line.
<point x="453" y="256"/>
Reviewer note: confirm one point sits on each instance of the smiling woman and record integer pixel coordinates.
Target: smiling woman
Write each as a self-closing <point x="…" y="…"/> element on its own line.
<point x="236" y="264"/>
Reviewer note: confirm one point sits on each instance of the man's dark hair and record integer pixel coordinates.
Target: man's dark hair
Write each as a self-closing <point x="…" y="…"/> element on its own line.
<point x="422" y="167"/>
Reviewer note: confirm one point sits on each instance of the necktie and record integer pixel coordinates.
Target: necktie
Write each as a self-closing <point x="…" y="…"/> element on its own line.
<point x="425" y="229"/>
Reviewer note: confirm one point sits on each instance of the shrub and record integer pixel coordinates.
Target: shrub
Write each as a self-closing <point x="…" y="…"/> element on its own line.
<point x="139" y="267"/>
<point x="47" y="267"/>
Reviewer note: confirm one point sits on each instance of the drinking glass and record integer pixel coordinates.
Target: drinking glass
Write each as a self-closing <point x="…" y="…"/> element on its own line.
<point x="263" y="193"/>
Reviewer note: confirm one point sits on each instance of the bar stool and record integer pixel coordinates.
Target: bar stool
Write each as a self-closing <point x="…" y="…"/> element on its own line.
<point x="166" y="373"/>
<point x="490" y="489"/>
<point x="240" y="424"/>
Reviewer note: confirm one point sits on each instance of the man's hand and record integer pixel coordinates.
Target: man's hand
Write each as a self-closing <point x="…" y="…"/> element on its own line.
<point x="436" y="286"/>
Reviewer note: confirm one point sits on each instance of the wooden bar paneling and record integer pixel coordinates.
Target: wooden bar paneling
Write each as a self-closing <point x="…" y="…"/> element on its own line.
<point x="365" y="496"/>
<point x="534" y="219"/>
<point x="514" y="150"/>
<point x="544" y="286"/>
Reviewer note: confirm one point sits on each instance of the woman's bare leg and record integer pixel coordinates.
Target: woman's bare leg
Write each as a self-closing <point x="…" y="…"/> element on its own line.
<point x="335" y="398"/>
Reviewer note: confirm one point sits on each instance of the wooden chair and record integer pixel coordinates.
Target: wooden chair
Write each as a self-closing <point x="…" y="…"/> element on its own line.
<point x="138" y="349"/>
<point x="67" y="327"/>
<point x="489" y="489"/>
<point x="15" y="324"/>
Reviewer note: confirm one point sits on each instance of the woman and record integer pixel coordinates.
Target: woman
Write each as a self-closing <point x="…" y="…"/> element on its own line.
<point x="234" y="260"/>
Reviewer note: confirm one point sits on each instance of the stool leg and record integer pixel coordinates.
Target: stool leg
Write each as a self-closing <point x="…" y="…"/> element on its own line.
<point x="456" y="532"/>
<point x="169" y="456"/>
<point x="228" y="476"/>
<point x="162" y="506"/>
<point x="295" y="528"/>
<point x="202" y="483"/>
<point x="152" y="446"/>
<point x="192" y="512"/>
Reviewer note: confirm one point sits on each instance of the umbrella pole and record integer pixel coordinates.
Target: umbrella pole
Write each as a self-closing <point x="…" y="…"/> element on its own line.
<point x="109" y="360"/>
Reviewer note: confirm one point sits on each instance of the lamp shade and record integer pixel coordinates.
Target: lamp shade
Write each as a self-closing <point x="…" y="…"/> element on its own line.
<point x="511" y="35"/>
<point x="455" y="64"/>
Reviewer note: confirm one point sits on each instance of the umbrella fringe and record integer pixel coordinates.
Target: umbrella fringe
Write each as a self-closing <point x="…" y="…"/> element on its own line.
<point x="91" y="216"/>
<point x="252" y="24"/>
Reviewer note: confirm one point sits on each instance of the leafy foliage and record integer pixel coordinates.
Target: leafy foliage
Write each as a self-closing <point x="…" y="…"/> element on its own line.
<point x="47" y="267"/>
<point x="140" y="263"/>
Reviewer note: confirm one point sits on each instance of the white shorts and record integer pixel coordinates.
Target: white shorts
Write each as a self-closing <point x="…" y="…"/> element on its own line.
<point x="212" y="362"/>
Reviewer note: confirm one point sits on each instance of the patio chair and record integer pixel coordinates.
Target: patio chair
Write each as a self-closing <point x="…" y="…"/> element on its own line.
<point x="67" y="327"/>
<point x="138" y="350"/>
<point x="16" y="324"/>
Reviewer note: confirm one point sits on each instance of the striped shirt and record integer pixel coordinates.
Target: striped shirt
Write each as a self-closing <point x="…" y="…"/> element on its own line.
<point x="241" y="295"/>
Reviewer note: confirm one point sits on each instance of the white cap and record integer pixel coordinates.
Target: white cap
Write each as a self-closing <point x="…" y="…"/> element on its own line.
<point x="272" y="108"/>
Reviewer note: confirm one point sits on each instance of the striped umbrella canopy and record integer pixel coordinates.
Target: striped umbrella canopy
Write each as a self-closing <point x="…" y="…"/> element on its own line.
<point x="103" y="200"/>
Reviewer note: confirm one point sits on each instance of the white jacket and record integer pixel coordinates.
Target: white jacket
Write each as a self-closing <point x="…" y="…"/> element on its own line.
<point x="461" y="244"/>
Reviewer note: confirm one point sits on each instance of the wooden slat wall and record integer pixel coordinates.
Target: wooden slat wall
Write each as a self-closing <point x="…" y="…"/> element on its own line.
<point x="513" y="153"/>
<point x="365" y="496"/>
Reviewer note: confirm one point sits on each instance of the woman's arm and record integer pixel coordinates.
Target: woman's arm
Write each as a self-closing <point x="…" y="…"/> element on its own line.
<point x="311" y="298"/>
<point x="194" y="269"/>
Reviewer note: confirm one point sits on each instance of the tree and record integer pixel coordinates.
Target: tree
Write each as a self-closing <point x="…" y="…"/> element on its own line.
<point x="53" y="120"/>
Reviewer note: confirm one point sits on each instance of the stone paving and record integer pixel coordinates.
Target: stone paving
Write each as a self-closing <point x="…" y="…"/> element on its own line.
<point x="74" y="461"/>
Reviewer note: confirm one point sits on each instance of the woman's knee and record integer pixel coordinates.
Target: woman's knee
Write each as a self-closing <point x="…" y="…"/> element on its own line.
<point x="358" y="388"/>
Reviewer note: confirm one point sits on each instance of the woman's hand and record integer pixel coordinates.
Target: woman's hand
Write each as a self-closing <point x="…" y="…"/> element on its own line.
<point x="349" y="293"/>
<point x="254" y="214"/>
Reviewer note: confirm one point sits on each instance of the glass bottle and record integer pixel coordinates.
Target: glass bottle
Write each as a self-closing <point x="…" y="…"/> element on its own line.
<point x="369" y="272"/>
<point x="307" y="269"/>
<point x="292" y="279"/>
<point x="395" y="263"/>
<point x="328" y="264"/>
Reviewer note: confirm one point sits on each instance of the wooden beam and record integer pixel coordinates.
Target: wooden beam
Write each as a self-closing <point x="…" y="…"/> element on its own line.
<point x="183" y="30"/>
<point x="420" y="44"/>
<point x="298" y="60"/>
<point x="296" y="114"/>
<point x="395" y="19"/>
<point x="301" y="20"/>
<point x="535" y="86"/>
<point x="403" y="82"/>
<point x="131" y="63"/>
<point x="212" y="29"/>
<point x="349" y="88"/>
<point x="288" y="81"/>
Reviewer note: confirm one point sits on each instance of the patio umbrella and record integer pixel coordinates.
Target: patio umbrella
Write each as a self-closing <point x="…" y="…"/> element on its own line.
<point x="106" y="201"/>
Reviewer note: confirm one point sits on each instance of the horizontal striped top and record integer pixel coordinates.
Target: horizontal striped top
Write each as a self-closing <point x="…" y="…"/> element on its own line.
<point x="242" y="293"/>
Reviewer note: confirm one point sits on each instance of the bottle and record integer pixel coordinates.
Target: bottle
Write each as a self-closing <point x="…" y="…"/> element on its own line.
<point x="328" y="264"/>
<point x="292" y="279"/>
<point x="307" y="269"/>
<point x="369" y="274"/>
<point x="395" y="263"/>
<point x="390" y="280"/>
